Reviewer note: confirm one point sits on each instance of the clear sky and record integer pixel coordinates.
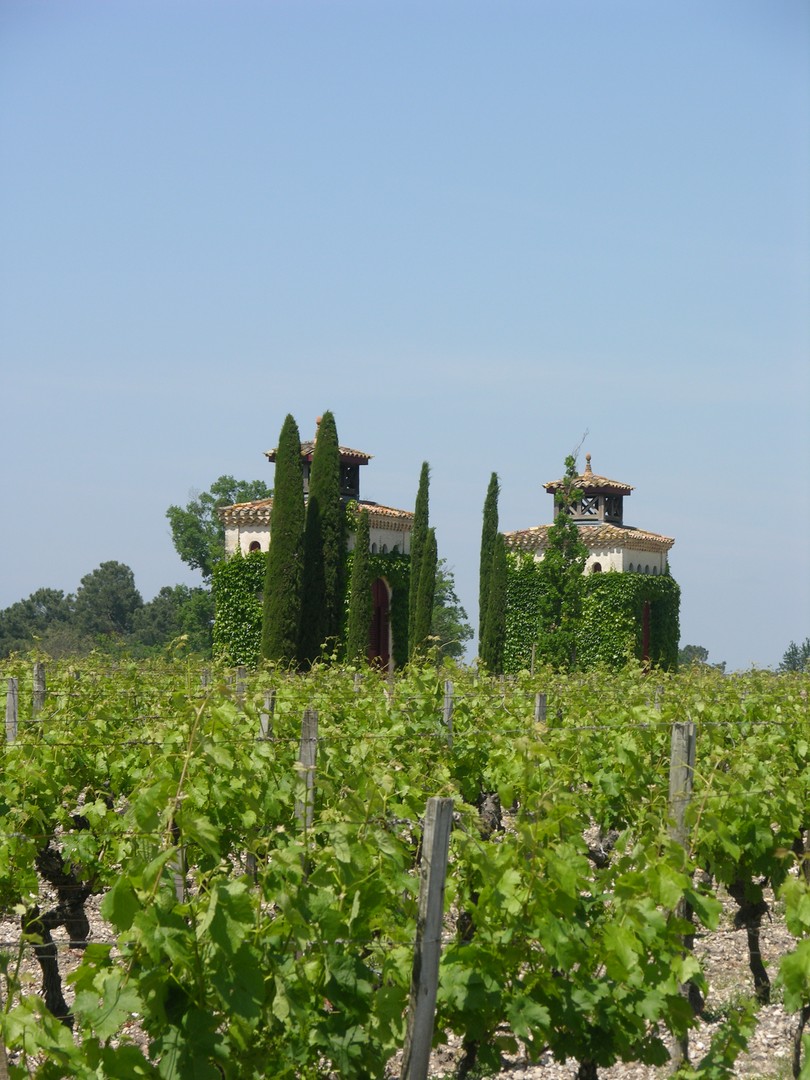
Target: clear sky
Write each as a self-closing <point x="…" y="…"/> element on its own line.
<point x="473" y="229"/>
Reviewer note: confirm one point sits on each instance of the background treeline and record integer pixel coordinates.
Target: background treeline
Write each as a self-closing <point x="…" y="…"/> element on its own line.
<point x="108" y="613"/>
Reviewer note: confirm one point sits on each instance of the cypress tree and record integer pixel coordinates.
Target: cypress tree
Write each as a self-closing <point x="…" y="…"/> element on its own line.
<point x="494" y="640"/>
<point x="324" y="571"/>
<point x="560" y="579"/>
<point x="418" y="540"/>
<point x="281" y="605"/>
<point x="425" y="594"/>
<point x="360" y="605"/>
<point x="489" y="531"/>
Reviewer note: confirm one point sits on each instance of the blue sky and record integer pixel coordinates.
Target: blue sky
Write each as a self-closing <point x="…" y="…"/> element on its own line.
<point x="473" y="230"/>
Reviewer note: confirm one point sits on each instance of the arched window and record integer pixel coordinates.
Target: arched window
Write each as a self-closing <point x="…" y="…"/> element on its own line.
<point x="655" y="570"/>
<point x="630" y="568"/>
<point x="647" y="568"/>
<point x="596" y="568"/>
<point x="384" y="549"/>
<point x="255" y="546"/>
<point x="373" y="549"/>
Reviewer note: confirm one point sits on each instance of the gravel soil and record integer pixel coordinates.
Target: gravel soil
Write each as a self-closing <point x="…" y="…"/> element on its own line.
<point x="723" y="953"/>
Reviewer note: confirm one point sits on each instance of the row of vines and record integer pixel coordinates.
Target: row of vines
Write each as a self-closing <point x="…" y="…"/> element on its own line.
<point x="248" y="940"/>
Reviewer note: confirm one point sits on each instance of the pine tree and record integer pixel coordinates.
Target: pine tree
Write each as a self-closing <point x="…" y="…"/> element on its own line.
<point x="281" y="607"/>
<point x="489" y="531"/>
<point x="324" y="572"/>
<point x="425" y="594"/>
<point x="360" y="603"/>
<point x="418" y="539"/>
<point x="560" y="578"/>
<point x="492" y="646"/>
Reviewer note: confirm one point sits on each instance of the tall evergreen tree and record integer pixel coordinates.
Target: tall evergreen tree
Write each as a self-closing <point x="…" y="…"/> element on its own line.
<point x="489" y="531"/>
<point x="425" y="595"/>
<point x="324" y="573"/>
<point x="421" y="515"/>
<point x="560" y="578"/>
<point x="281" y="608"/>
<point x="360" y="603"/>
<point x="494" y="640"/>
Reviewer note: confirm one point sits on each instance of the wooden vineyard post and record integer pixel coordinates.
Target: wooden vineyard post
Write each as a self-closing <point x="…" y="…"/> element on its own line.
<point x="177" y="865"/>
<point x="307" y="753"/>
<point x="534" y="657"/>
<point x="540" y="708"/>
<point x="266" y="717"/>
<point x="12" y="706"/>
<point x="681" y="774"/>
<point x="427" y="947"/>
<point x="447" y="714"/>
<point x="38" y="697"/>
<point x="241" y="685"/>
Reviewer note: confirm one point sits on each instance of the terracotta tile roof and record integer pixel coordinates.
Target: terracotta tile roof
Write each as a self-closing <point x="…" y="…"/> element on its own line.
<point x="376" y="510"/>
<point x="308" y="448"/>
<point x="258" y="513"/>
<point x="593" y="536"/>
<point x="589" y="481"/>
<point x="246" y="513"/>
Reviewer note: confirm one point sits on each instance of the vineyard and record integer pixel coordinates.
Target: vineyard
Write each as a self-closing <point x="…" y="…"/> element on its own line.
<point x="260" y="849"/>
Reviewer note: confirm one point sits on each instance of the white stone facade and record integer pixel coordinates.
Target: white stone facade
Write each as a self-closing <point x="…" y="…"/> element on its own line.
<point x="247" y="528"/>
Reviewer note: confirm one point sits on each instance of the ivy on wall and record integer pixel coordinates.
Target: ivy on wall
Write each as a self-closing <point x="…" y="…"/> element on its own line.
<point x="611" y="626"/>
<point x="238" y="585"/>
<point x="522" y="611"/>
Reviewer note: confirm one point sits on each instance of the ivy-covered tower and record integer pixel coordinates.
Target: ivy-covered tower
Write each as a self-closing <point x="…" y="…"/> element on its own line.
<point x="632" y="614"/>
<point x="599" y="514"/>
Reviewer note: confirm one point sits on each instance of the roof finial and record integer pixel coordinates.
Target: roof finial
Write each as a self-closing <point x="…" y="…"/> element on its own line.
<point x="587" y="464"/>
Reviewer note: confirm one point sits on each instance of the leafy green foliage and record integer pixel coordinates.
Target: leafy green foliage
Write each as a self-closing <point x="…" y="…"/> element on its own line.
<point x="423" y="615"/>
<point x="45" y="617"/>
<point x="178" y="612"/>
<point x="421" y="522"/>
<point x="449" y="627"/>
<point x="281" y="607"/>
<point x="324" y="569"/>
<point x="302" y="968"/>
<point x="494" y="638"/>
<point x="238" y="587"/>
<point x="610" y="628"/>
<point x="360" y="601"/>
<point x="560" y="579"/>
<point x="198" y="534"/>
<point x="106" y="601"/>
<point x="489" y="530"/>
<point x="696" y="654"/>
<point x="796" y="657"/>
<point x="109" y="615"/>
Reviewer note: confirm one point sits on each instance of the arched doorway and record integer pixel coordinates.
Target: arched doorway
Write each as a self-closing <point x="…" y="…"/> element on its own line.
<point x="379" y="646"/>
